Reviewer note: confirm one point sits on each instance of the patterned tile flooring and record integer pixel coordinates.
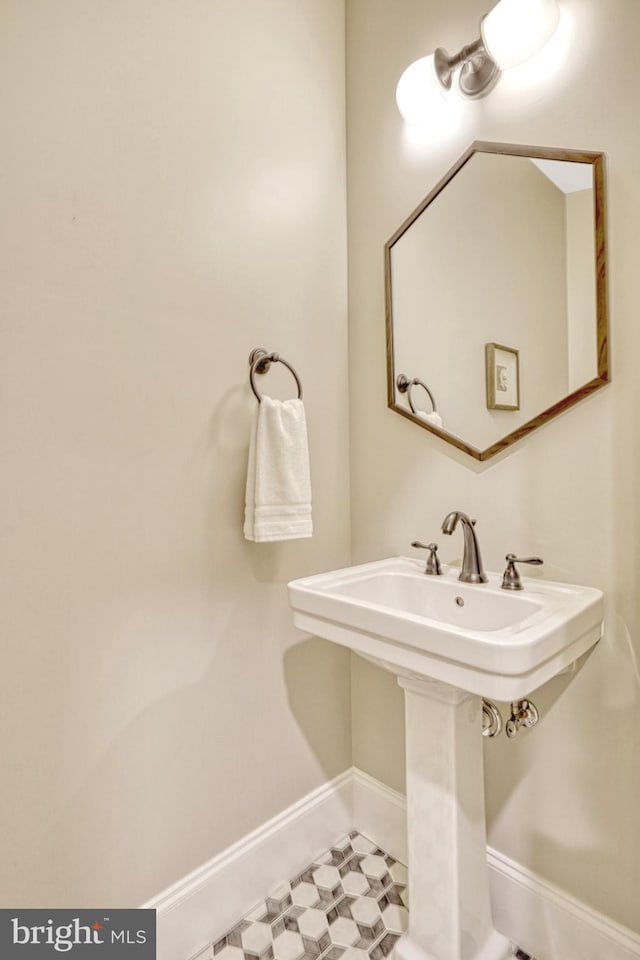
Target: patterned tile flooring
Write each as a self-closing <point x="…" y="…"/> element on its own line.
<point x="349" y="904"/>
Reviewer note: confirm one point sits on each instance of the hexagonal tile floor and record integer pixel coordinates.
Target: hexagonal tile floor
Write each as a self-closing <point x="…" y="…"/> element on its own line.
<point x="349" y="904"/>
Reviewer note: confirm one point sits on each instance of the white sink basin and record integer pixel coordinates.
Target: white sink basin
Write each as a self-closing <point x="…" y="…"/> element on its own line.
<point x="477" y="637"/>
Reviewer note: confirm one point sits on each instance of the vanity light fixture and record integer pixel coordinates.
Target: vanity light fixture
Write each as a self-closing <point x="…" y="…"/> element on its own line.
<point x="510" y="34"/>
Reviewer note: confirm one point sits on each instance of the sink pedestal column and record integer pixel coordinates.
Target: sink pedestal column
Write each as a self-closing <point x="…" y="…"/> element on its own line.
<point x="449" y="908"/>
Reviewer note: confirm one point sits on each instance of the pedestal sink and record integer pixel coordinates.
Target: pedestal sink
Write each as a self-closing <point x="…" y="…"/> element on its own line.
<point x="449" y="644"/>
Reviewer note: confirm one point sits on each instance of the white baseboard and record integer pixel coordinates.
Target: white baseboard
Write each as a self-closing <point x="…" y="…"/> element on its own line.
<point x="548" y="923"/>
<point x="380" y="814"/>
<point x="201" y="907"/>
<point x="543" y="920"/>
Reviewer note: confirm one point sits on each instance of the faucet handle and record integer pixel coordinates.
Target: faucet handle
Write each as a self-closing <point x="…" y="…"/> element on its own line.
<point x="511" y="577"/>
<point x="432" y="567"/>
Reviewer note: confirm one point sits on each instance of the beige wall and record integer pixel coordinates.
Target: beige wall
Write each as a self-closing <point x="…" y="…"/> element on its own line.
<point x="563" y="799"/>
<point x="581" y="286"/>
<point x="172" y="195"/>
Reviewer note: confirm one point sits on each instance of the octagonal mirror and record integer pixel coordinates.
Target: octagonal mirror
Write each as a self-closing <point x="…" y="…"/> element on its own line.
<point x="496" y="296"/>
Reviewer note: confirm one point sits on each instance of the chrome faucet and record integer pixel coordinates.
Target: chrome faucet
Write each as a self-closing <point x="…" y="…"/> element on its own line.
<point x="472" y="569"/>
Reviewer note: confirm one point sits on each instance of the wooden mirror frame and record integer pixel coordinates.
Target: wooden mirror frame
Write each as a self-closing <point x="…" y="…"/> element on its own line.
<point x="602" y="327"/>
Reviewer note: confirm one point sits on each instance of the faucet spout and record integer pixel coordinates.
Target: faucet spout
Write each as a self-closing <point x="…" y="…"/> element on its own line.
<point x="472" y="569"/>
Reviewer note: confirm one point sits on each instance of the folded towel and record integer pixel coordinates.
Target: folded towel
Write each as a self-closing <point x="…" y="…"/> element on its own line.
<point x="433" y="418"/>
<point x="278" y="493"/>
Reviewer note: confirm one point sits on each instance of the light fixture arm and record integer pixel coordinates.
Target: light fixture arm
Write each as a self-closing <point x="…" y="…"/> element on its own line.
<point x="445" y="64"/>
<point x="478" y="75"/>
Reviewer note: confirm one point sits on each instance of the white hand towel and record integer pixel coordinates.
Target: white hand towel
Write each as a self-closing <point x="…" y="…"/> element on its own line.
<point x="278" y="493"/>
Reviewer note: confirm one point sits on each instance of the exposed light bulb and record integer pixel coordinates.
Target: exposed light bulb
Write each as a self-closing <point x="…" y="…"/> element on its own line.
<point x="421" y="99"/>
<point x="515" y="30"/>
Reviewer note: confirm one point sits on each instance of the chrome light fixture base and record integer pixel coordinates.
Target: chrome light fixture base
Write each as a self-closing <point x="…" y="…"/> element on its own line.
<point x="478" y="76"/>
<point x="478" y="72"/>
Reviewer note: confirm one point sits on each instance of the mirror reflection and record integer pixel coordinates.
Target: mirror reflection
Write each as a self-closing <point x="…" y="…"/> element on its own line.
<point x="496" y="297"/>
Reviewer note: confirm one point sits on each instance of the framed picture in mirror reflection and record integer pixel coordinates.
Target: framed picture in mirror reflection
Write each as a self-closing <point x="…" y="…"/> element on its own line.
<point x="503" y="377"/>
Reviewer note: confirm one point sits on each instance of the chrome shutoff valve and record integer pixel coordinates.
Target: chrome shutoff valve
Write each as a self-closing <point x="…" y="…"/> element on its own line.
<point x="524" y="713"/>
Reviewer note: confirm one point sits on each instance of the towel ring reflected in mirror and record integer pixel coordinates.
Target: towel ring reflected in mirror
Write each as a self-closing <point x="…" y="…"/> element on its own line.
<point x="404" y="385"/>
<point x="260" y="362"/>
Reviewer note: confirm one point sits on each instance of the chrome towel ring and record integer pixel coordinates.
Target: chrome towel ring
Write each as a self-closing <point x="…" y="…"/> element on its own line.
<point x="404" y="385"/>
<point x="260" y="361"/>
